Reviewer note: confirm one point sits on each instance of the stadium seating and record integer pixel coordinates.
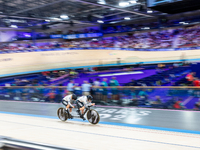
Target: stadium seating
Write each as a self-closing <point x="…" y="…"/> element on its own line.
<point x="171" y="38"/>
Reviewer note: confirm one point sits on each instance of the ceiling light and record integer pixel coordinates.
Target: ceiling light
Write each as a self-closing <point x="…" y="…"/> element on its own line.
<point x="146" y="28"/>
<point x="98" y="16"/>
<point x="113" y="22"/>
<point x="133" y="2"/>
<point x="47" y="20"/>
<point x="127" y="18"/>
<point x="64" y="17"/>
<point x="27" y="35"/>
<point x="123" y="4"/>
<point x="13" y="26"/>
<point x="101" y="2"/>
<point x="56" y="18"/>
<point x="100" y="21"/>
<point x="183" y="23"/>
<point x="149" y="11"/>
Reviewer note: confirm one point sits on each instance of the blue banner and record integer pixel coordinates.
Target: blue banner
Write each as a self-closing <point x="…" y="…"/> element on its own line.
<point x="57" y="36"/>
<point x="76" y="36"/>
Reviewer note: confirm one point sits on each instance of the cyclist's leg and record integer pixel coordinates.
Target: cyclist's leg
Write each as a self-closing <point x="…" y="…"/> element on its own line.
<point x="82" y="112"/>
<point x="65" y="103"/>
<point x="70" y="109"/>
<point x="67" y="107"/>
<point x="82" y="109"/>
<point x="79" y="105"/>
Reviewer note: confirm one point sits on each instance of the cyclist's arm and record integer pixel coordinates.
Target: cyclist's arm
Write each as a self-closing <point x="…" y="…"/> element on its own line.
<point x="70" y="104"/>
<point x="88" y="104"/>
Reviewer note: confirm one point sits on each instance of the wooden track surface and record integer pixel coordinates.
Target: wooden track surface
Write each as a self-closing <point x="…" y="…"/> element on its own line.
<point x="85" y="136"/>
<point x="35" y="61"/>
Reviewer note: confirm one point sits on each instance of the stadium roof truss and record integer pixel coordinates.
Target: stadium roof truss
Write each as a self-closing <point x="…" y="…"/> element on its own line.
<point x="35" y="12"/>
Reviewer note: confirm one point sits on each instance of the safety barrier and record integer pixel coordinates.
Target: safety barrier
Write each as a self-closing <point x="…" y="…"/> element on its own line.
<point x="166" y="97"/>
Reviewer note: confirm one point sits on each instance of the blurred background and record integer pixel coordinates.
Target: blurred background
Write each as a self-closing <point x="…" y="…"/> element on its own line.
<point x="125" y="53"/>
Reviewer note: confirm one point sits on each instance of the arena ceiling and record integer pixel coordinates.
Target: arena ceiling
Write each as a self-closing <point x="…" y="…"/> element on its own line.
<point x="29" y="13"/>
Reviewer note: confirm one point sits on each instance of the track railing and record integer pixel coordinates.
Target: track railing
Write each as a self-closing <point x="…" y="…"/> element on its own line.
<point x="168" y="97"/>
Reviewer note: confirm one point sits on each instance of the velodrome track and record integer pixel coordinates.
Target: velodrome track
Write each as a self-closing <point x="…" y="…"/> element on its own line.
<point x="140" y="129"/>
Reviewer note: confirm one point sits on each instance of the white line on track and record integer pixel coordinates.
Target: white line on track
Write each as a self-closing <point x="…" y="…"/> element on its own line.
<point x="86" y="136"/>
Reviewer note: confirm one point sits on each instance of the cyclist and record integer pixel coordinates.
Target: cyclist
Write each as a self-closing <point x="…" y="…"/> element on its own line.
<point x="67" y="102"/>
<point x="82" y="102"/>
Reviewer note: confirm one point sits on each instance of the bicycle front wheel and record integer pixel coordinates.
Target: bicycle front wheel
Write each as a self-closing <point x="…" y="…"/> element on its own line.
<point x="93" y="116"/>
<point x="62" y="115"/>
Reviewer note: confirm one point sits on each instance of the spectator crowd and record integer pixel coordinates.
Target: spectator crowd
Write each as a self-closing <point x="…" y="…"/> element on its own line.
<point x="172" y="38"/>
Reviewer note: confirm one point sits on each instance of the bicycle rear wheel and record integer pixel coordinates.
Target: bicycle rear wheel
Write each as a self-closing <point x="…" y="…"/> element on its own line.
<point x="62" y="115"/>
<point x="93" y="116"/>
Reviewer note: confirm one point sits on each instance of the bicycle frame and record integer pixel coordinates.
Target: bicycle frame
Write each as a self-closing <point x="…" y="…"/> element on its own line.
<point x="86" y="109"/>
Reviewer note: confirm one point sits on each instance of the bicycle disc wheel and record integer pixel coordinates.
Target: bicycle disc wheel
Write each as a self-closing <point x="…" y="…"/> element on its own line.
<point x="93" y="116"/>
<point x="62" y="115"/>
